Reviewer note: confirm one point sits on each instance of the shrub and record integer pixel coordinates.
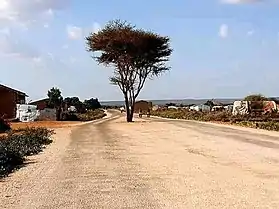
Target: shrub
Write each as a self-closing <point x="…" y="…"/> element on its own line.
<point x="91" y="115"/>
<point x="20" y="143"/>
<point x="271" y="126"/>
<point x="263" y="121"/>
<point x="70" y="117"/>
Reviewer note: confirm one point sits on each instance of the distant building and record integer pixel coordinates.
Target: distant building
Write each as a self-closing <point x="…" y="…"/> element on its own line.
<point x="155" y="107"/>
<point x="143" y="105"/>
<point x="201" y="107"/>
<point x="240" y="108"/>
<point x="41" y="104"/>
<point x="9" y="98"/>
<point x="172" y="107"/>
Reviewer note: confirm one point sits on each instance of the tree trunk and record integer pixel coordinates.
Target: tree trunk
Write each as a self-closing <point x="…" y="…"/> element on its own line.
<point x="127" y="106"/>
<point x="132" y="112"/>
<point x="58" y="113"/>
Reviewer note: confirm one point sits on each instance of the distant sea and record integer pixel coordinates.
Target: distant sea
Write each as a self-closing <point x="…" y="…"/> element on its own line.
<point x="181" y="101"/>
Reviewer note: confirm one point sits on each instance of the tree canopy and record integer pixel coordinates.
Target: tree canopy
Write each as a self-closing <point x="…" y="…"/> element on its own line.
<point x="55" y="97"/>
<point x="92" y="104"/>
<point x="55" y="100"/>
<point x="255" y="98"/>
<point x="135" y="55"/>
<point x="74" y="101"/>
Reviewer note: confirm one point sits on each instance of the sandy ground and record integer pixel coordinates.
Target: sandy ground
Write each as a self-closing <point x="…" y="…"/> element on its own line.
<point x="152" y="163"/>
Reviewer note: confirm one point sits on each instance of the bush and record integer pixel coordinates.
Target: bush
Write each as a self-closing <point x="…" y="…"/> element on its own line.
<point x="87" y="116"/>
<point x="194" y="115"/>
<point x="91" y="115"/>
<point x="263" y="121"/>
<point x="20" y="143"/>
<point x="70" y="117"/>
<point x="271" y="126"/>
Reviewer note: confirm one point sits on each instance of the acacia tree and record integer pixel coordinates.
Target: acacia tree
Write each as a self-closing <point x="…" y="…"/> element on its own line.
<point x="134" y="54"/>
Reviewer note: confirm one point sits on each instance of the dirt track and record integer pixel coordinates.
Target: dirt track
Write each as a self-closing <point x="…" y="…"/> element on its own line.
<point x="150" y="164"/>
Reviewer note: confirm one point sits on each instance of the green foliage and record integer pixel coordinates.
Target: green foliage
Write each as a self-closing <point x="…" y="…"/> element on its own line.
<point x="74" y="101"/>
<point x="20" y="143"/>
<point x="270" y="125"/>
<point x="255" y="97"/>
<point x="92" y="104"/>
<point x="55" y="100"/>
<point x="55" y="97"/>
<point x="69" y="116"/>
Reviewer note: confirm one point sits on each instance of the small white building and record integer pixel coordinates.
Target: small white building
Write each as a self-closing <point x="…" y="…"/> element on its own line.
<point x="201" y="107"/>
<point x="172" y="107"/>
<point x="72" y="109"/>
<point x="240" y="108"/>
<point x="27" y="113"/>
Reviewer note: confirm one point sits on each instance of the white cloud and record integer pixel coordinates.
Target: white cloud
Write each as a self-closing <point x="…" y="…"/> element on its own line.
<point x="65" y="46"/>
<point x="250" y="33"/>
<point x="224" y="31"/>
<point x="5" y="31"/>
<point x="37" y="59"/>
<point x="96" y="27"/>
<point x="12" y="46"/>
<point x="28" y="11"/>
<point x="240" y="1"/>
<point x="72" y="60"/>
<point x="264" y="42"/>
<point x="50" y="55"/>
<point x="74" y="32"/>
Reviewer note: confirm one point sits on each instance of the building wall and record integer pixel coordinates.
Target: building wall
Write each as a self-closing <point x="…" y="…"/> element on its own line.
<point x="8" y="104"/>
<point x="41" y="104"/>
<point x="20" y="99"/>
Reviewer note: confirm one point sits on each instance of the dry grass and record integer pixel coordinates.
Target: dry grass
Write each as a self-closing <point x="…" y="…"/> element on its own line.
<point x="45" y="124"/>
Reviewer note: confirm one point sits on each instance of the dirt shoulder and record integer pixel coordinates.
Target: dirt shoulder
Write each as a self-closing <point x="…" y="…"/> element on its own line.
<point x="23" y="181"/>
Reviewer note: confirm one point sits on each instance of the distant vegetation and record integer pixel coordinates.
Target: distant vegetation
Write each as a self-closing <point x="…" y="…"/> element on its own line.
<point x="255" y="97"/>
<point x="268" y="121"/>
<point x="84" y="111"/>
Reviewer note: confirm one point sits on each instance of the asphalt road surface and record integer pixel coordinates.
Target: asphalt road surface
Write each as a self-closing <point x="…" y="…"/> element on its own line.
<point x="151" y="163"/>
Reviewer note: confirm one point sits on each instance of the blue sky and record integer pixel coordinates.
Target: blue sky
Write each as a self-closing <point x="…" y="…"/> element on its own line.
<point x="225" y="49"/>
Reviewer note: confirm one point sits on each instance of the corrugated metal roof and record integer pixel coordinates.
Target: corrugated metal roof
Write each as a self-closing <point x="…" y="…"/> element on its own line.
<point x="13" y="90"/>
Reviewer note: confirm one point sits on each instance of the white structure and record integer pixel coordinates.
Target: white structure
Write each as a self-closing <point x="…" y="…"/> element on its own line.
<point x="203" y="108"/>
<point x="27" y="113"/>
<point x="155" y="107"/>
<point x="240" y="108"/>
<point x="229" y="108"/>
<point x="72" y="109"/>
<point x="172" y="107"/>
